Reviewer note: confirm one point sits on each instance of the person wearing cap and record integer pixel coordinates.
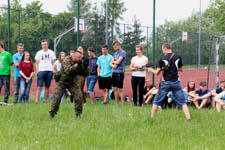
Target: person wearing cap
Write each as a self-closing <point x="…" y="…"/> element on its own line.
<point x="202" y="96"/>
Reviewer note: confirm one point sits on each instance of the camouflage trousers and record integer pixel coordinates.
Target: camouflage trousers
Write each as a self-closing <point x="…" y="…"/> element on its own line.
<point x="75" y="91"/>
<point x="81" y="81"/>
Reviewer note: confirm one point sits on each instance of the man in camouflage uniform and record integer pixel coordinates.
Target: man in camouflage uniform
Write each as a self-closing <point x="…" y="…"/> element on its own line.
<point x="67" y="80"/>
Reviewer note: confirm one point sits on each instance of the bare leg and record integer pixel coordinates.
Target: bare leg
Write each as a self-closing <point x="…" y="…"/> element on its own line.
<point x="46" y="94"/>
<point x="116" y="95"/>
<point x="213" y="102"/>
<point x="196" y="104"/>
<point x="149" y="98"/>
<point x="186" y="112"/>
<point x="204" y="102"/>
<point x="120" y="91"/>
<point x="218" y="107"/>
<point x="106" y="95"/>
<point x="38" y="94"/>
<point x="92" y="97"/>
<point x="154" y="110"/>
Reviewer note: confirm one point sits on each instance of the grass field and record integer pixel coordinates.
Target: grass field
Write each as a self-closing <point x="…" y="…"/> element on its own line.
<point x="28" y="127"/>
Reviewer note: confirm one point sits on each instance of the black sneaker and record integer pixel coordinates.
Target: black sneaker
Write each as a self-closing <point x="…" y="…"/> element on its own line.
<point x="52" y="115"/>
<point x="105" y="103"/>
<point x="78" y="116"/>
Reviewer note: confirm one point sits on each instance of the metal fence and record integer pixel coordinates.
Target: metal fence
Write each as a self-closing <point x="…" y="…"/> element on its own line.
<point x="30" y="27"/>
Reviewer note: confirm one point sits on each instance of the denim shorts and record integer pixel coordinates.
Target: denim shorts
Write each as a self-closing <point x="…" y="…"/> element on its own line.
<point x="44" y="78"/>
<point x="91" y="81"/>
<point x="166" y="87"/>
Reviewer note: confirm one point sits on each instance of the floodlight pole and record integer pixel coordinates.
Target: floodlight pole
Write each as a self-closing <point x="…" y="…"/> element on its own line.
<point x="106" y="22"/>
<point x="153" y="41"/>
<point x="217" y="60"/>
<point x="78" y="23"/>
<point x="9" y="25"/>
<point x="199" y="36"/>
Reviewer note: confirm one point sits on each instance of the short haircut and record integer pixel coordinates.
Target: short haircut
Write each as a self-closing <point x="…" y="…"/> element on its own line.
<point x="80" y="48"/>
<point x="44" y="41"/>
<point x="166" y="45"/>
<point x="105" y="46"/>
<point x="222" y="81"/>
<point x="1" y="44"/>
<point x="91" y="49"/>
<point x="140" y="47"/>
<point x="20" y="45"/>
<point x="203" y="84"/>
<point x="77" y="52"/>
<point x="115" y="42"/>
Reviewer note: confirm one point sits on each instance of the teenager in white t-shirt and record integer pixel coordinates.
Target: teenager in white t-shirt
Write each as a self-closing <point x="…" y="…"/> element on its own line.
<point x="45" y="59"/>
<point x="138" y="75"/>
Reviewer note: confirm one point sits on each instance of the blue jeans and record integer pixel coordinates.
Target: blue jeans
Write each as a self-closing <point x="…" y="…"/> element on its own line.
<point x="5" y="80"/>
<point x="16" y="88"/>
<point x="166" y="87"/>
<point x="91" y="81"/>
<point x="24" y="90"/>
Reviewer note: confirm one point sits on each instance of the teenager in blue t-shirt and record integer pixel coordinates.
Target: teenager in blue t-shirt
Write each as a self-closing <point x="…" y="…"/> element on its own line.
<point x="16" y="60"/>
<point x="202" y="96"/>
<point x="104" y="72"/>
<point x="118" y="65"/>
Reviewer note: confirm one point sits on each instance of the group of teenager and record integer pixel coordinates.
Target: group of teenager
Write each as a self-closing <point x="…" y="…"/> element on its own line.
<point x="108" y="70"/>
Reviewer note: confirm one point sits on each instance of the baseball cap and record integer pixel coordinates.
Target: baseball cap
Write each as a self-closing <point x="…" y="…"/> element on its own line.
<point x="203" y="83"/>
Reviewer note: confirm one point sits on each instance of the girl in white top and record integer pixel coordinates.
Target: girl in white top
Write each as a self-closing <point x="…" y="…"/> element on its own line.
<point x="57" y="66"/>
<point x="138" y="75"/>
<point x="58" y="63"/>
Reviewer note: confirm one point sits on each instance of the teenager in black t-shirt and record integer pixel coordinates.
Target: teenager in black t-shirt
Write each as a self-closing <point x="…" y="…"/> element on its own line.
<point x="169" y="64"/>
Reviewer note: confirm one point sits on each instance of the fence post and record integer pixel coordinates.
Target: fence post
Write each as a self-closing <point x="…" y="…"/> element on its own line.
<point x="147" y="42"/>
<point x="63" y="21"/>
<point x="78" y="23"/>
<point x="124" y="31"/>
<point x="9" y="38"/>
<point x="19" y="26"/>
<point x="42" y="26"/>
<point x="153" y="41"/>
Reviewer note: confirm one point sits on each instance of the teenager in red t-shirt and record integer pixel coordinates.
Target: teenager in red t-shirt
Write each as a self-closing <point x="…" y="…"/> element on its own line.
<point x="26" y="69"/>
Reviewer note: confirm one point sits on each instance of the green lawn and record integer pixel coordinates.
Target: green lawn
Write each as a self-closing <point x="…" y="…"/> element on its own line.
<point x="28" y="127"/>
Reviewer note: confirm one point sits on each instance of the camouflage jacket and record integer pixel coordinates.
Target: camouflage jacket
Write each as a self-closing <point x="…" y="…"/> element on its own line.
<point x="69" y="69"/>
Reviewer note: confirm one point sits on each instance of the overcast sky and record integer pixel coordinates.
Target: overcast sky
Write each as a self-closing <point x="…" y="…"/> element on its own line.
<point x="172" y="10"/>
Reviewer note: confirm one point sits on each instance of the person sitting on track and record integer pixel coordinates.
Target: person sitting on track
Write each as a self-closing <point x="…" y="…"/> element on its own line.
<point x="151" y="91"/>
<point x="217" y="91"/>
<point x="220" y="101"/>
<point x="202" y="96"/>
<point x="190" y="90"/>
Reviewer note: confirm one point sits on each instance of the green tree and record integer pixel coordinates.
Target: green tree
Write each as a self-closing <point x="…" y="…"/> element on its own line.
<point x="132" y="38"/>
<point x="85" y="6"/>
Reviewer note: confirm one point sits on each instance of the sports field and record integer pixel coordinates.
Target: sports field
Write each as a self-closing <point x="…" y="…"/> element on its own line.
<point x="197" y="75"/>
<point x="28" y="127"/>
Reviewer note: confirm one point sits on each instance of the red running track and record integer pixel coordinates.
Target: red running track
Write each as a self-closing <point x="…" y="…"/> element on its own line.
<point x="197" y="75"/>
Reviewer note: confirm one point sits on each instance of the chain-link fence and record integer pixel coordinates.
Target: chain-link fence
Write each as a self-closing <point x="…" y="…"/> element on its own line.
<point x="30" y="27"/>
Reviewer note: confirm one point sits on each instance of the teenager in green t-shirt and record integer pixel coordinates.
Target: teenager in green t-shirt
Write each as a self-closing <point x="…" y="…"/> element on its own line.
<point x="5" y="71"/>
